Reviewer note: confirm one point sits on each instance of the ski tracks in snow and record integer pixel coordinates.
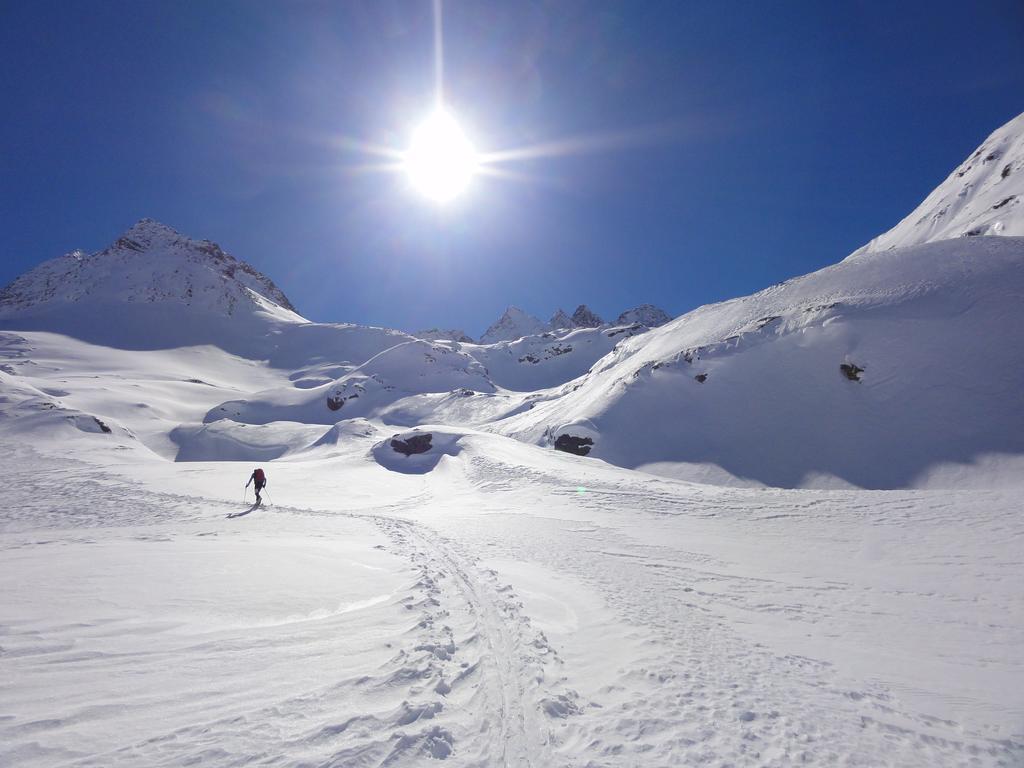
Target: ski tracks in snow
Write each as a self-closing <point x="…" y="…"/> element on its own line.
<point x="466" y="677"/>
<point x="497" y="653"/>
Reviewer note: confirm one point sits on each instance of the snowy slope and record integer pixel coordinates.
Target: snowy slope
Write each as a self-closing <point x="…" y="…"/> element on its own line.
<point x="900" y="366"/>
<point x="413" y="368"/>
<point x="549" y="359"/>
<point x="496" y="604"/>
<point x="752" y="390"/>
<point x="984" y="195"/>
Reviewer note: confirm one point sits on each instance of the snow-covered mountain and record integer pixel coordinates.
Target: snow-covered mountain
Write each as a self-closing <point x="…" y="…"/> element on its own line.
<point x="901" y="365"/>
<point x="149" y="263"/>
<point x="984" y="195"/>
<point x="645" y="314"/>
<point x="877" y="372"/>
<point x="585" y="317"/>
<point x="513" y="324"/>
<point x="444" y="334"/>
<point x="560" y="320"/>
<point x="152" y="288"/>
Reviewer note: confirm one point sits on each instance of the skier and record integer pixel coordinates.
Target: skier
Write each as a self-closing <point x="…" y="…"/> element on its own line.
<point x="260" y="479"/>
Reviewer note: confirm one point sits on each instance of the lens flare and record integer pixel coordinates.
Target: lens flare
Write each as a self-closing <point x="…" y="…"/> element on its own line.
<point x="440" y="161"/>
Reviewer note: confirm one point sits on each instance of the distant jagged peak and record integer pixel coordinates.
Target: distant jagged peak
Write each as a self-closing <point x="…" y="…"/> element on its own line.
<point x="444" y="334"/>
<point x="560" y="320"/>
<point x="645" y="314"/>
<point x="513" y="324"/>
<point x="584" y="317"/>
<point x="984" y="195"/>
<point x="149" y="262"/>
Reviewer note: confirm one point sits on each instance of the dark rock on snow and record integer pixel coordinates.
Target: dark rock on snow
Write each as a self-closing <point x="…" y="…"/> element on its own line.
<point x="413" y="444"/>
<point x="851" y="371"/>
<point x="572" y="444"/>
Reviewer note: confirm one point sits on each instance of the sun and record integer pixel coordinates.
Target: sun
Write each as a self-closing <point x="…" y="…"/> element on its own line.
<point x="440" y="160"/>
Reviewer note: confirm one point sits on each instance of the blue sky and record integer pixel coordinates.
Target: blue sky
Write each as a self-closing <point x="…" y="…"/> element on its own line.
<point x="766" y="140"/>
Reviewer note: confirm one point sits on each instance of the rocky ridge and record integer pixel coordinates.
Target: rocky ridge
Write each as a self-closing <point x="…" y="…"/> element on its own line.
<point x="516" y="324"/>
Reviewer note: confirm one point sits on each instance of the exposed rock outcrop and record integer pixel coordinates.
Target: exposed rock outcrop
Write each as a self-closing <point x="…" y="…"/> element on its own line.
<point x="584" y="317"/>
<point x="412" y="444"/>
<point x="572" y="444"/>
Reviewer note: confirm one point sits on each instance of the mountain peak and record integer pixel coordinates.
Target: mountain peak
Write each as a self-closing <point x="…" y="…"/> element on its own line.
<point x="149" y="229"/>
<point x="513" y="324"/>
<point x="444" y="334"/>
<point x="645" y="314"/>
<point x="984" y="195"/>
<point x="149" y="263"/>
<point x="560" y="320"/>
<point x="584" y="317"/>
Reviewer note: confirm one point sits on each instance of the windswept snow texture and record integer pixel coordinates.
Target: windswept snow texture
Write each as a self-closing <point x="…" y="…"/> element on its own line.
<point x="983" y="196"/>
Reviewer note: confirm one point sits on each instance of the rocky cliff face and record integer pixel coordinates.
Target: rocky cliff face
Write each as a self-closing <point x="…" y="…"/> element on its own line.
<point x="584" y="317"/>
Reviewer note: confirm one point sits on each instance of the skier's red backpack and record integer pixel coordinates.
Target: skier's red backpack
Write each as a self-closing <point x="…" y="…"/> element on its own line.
<point x="259" y="476"/>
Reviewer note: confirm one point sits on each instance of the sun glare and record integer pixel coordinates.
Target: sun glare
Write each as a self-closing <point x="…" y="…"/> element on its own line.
<point x="440" y="160"/>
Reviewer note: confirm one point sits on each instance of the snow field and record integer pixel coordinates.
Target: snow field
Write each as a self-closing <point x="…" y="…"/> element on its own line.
<point x="511" y="606"/>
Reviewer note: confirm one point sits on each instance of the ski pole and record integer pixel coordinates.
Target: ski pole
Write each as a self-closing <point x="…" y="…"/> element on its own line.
<point x="270" y="501"/>
<point x="245" y="494"/>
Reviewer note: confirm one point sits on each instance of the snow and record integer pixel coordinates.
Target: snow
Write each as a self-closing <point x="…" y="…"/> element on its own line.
<point x="443" y="334"/>
<point x="508" y="606"/>
<point x="540" y="362"/>
<point x="766" y="559"/>
<point x="513" y="324"/>
<point x="645" y="314"/>
<point x="935" y="327"/>
<point x="984" y="195"/>
<point x="516" y="324"/>
<point x="150" y="262"/>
